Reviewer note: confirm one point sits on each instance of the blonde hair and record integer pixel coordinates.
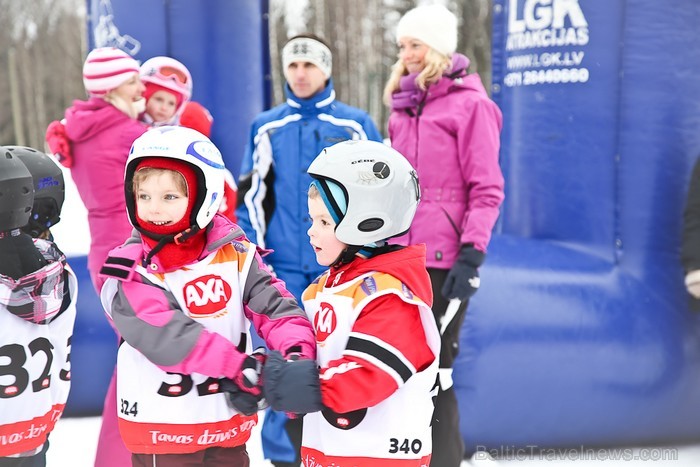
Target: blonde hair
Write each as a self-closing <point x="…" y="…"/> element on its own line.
<point x="435" y="65"/>
<point x="142" y="174"/>
<point x="313" y="192"/>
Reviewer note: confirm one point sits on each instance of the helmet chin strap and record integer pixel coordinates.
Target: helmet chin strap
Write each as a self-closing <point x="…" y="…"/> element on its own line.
<point x="348" y="254"/>
<point x="165" y="239"/>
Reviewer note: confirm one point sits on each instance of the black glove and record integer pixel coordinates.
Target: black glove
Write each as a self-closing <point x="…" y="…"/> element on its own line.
<point x="245" y="390"/>
<point x="463" y="279"/>
<point x="292" y="385"/>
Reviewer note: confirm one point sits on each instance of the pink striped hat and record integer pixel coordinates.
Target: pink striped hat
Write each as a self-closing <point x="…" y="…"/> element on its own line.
<point x="107" y="68"/>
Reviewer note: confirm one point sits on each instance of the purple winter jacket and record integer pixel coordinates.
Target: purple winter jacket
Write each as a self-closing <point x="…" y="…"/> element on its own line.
<point x="101" y="136"/>
<point x="451" y="135"/>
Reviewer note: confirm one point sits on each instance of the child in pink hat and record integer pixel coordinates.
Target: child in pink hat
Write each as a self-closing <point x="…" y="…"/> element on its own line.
<point x="168" y="90"/>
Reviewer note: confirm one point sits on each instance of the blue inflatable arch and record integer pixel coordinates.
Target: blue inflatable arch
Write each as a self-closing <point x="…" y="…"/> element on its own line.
<point x="581" y="334"/>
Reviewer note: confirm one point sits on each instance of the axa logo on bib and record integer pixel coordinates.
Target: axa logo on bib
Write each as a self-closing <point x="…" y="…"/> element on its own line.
<point x="206" y="295"/>
<point x="325" y="322"/>
<point x="545" y="23"/>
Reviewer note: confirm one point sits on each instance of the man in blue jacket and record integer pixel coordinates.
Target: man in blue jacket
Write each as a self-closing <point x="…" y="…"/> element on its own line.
<point x="272" y="190"/>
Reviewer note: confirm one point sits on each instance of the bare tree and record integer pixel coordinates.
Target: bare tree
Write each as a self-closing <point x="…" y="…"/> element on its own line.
<point x="42" y="43"/>
<point x="361" y="34"/>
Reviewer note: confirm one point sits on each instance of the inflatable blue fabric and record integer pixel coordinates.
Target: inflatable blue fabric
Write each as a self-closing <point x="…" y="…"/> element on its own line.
<point x="582" y="333"/>
<point x="224" y="45"/>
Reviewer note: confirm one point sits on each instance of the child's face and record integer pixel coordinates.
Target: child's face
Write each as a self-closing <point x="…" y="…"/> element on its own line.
<point x="322" y="233"/>
<point x="161" y="106"/>
<point x="159" y="201"/>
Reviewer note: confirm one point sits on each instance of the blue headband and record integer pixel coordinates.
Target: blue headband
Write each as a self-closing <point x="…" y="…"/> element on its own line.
<point x="333" y="197"/>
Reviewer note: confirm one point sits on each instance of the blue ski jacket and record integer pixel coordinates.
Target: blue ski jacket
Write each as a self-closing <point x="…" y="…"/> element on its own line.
<point x="272" y="189"/>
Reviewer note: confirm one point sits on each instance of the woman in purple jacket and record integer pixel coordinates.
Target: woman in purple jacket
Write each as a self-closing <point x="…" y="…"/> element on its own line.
<point x="444" y="123"/>
<point x="94" y="140"/>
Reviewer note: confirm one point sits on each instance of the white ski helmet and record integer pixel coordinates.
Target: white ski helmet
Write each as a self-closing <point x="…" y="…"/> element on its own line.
<point x="170" y="74"/>
<point x="380" y="187"/>
<point x="191" y="147"/>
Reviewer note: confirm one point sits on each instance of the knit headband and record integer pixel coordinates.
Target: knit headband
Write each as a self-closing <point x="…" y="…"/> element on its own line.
<point x="305" y="49"/>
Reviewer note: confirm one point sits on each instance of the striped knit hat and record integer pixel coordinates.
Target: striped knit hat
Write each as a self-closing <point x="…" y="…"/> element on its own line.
<point x="107" y="68"/>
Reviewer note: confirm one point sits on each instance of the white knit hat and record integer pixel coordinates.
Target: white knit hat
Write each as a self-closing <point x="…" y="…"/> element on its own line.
<point x="434" y="25"/>
<point x="306" y="49"/>
<point x="107" y="68"/>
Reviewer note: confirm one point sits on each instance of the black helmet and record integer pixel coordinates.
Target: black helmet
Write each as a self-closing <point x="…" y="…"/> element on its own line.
<point x="16" y="192"/>
<point x="49" y="188"/>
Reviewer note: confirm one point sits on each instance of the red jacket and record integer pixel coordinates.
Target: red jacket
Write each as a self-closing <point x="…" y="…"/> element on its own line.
<point x="395" y="322"/>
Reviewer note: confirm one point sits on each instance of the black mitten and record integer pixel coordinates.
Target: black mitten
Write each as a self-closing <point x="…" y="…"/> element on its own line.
<point x="292" y="385"/>
<point x="244" y="402"/>
<point x="245" y="390"/>
<point x="463" y="279"/>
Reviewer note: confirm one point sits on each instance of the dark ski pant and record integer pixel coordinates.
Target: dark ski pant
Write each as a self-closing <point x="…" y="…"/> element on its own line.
<point x="37" y="460"/>
<point x="211" y="457"/>
<point x="448" y="447"/>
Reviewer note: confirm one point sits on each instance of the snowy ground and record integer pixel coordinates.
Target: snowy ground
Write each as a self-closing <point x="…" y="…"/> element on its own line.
<point x="72" y="234"/>
<point x="74" y="440"/>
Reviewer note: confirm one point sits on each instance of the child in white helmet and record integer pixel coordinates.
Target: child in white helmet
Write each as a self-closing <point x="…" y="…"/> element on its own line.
<point x="38" y="291"/>
<point x="183" y="292"/>
<point x="377" y="340"/>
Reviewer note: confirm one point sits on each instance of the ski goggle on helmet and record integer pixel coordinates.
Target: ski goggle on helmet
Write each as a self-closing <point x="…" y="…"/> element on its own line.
<point x="170" y="74"/>
<point x="380" y="186"/>
<point x="191" y="147"/>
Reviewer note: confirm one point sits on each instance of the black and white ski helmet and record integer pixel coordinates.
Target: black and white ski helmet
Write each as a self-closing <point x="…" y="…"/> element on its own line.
<point x="380" y="187"/>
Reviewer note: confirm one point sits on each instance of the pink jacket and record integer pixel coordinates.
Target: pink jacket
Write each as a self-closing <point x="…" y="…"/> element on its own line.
<point x="147" y="316"/>
<point x="101" y="137"/>
<point x="451" y="135"/>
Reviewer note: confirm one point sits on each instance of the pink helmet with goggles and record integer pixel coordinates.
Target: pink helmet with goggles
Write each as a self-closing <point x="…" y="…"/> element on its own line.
<point x="169" y="74"/>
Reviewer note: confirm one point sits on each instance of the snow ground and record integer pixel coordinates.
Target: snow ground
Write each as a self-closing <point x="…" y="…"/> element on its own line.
<point x="74" y="440"/>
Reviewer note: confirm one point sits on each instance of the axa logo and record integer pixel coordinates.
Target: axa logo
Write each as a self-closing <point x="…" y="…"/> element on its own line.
<point x="206" y="295"/>
<point x="325" y="322"/>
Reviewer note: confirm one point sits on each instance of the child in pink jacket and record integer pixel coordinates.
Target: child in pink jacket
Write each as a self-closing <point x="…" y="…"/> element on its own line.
<point x="183" y="292"/>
